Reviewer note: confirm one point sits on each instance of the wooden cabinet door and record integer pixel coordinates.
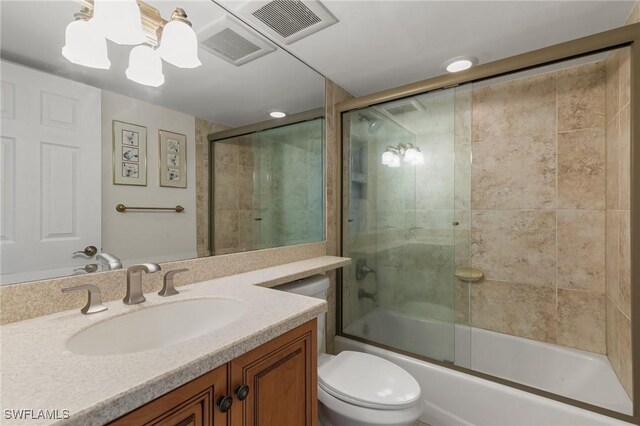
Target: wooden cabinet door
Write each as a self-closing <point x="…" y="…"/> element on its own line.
<point x="282" y="380"/>
<point x="193" y="404"/>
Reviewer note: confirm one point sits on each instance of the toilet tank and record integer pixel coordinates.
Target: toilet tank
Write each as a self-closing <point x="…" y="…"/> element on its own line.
<point x="315" y="286"/>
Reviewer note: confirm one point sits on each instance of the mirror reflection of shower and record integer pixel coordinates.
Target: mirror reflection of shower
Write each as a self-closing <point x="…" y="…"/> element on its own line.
<point x="374" y="123"/>
<point x="394" y="156"/>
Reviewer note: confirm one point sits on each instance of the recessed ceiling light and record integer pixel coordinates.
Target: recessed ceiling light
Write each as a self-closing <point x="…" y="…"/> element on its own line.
<point x="460" y="63"/>
<point x="277" y="114"/>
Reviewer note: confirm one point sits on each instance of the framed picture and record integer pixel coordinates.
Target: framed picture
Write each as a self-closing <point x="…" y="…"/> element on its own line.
<point x="129" y="154"/>
<point x="173" y="159"/>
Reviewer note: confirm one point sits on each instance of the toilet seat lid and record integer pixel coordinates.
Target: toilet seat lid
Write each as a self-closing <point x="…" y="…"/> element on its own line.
<point x="368" y="381"/>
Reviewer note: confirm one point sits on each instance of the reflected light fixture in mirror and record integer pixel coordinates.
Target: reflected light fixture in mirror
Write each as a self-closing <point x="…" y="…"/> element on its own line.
<point x="410" y="153"/>
<point x="119" y="21"/>
<point x="83" y="44"/>
<point x="390" y="159"/>
<point x="145" y="66"/>
<point x="179" y="44"/>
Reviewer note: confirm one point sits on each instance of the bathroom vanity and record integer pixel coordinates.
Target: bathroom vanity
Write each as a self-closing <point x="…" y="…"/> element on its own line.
<point x="271" y="348"/>
<point x="275" y="383"/>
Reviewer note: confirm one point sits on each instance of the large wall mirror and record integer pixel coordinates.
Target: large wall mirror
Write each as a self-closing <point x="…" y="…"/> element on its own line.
<point x="83" y="146"/>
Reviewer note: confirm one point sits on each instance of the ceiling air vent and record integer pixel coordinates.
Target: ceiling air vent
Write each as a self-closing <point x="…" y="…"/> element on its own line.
<point x="288" y="20"/>
<point x="233" y="42"/>
<point x="400" y="107"/>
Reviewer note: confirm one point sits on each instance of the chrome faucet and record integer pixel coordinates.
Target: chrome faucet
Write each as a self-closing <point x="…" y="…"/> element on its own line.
<point x="362" y="294"/>
<point x="362" y="269"/>
<point x="134" y="282"/>
<point x="108" y="262"/>
<point x="94" y="302"/>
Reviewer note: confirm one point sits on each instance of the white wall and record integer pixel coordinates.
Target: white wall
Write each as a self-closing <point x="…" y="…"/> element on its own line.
<point x="147" y="236"/>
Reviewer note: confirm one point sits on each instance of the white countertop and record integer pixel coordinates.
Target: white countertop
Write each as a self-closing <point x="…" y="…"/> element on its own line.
<point x="37" y="372"/>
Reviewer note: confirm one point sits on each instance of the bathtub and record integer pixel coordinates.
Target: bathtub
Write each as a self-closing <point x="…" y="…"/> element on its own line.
<point x="455" y="398"/>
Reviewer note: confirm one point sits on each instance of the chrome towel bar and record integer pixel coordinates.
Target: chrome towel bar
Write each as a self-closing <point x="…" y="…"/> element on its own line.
<point x="121" y="208"/>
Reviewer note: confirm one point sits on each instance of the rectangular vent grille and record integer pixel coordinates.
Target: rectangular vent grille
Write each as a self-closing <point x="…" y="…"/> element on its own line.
<point x="230" y="44"/>
<point x="401" y="109"/>
<point x="287" y="17"/>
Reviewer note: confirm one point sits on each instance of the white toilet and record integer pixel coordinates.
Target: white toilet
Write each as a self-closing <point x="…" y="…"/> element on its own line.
<point x="354" y="388"/>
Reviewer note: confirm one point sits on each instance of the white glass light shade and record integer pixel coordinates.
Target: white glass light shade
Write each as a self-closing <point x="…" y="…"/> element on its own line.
<point x="145" y="66"/>
<point x="179" y="45"/>
<point x="388" y="157"/>
<point x="119" y="21"/>
<point x="395" y="162"/>
<point x="410" y="155"/>
<point x="419" y="159"/>
<point x="85" y="46"/>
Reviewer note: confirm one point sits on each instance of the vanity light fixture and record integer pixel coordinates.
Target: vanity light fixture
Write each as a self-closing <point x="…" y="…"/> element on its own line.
<point x="460" y="63"/>
<point x="278" y="114"/>
<point x="409" y="153"/>
<point x="131" y="22"/>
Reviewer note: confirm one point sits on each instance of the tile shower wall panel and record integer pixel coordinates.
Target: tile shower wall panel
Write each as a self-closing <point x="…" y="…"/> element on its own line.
<point x="203" y="128"/>
<point x="268" y="188"/>
<point x="538" y="198"/>
<point x="233" y="168"/>
<point x="618" y="179"/>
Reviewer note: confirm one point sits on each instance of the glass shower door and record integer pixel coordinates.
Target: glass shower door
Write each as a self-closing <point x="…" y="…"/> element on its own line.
<point x="403" y="229"/>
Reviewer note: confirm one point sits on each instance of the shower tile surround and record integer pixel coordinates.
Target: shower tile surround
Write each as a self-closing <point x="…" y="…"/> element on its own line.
<point x="538" y="207"/>
<point x="618" y="262"/>
<point x="538" y="223"/>
<point x="203" y="129"/>
<point x="274" y="175"/>
<point x="236" y="201"/>
<point x="334" y="94"/>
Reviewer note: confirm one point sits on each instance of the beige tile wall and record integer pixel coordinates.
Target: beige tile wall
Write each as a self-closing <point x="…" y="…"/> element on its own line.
<point x="236" y="197"/>
<point x="538" y="207"/>
<point x="334" y="94"/>
<point x="618" y="177"/>
<point x="203" y="129"/>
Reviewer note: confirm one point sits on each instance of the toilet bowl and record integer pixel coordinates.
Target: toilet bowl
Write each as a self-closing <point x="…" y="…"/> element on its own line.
<point x="358" y="389"/>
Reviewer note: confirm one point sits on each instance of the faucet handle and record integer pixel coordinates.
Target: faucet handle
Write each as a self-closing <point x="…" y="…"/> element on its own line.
<point x="168" y="288"/>
<point x="94" y="302"/>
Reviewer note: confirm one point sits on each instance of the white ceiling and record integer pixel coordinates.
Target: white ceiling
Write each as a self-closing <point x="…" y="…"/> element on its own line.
<point x="32" y="33"/>
<point x="378" y="45"/>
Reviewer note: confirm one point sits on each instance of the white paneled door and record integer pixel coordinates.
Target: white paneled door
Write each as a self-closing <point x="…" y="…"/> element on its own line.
<point x="50" y="170"/>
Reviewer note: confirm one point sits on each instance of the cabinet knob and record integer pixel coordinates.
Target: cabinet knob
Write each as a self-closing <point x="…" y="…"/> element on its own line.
<point x="225" y="403"/>
<point x="242" y="392"/>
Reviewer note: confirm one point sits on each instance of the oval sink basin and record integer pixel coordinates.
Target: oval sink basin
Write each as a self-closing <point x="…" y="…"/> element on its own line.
<point x="156" y="327"/>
